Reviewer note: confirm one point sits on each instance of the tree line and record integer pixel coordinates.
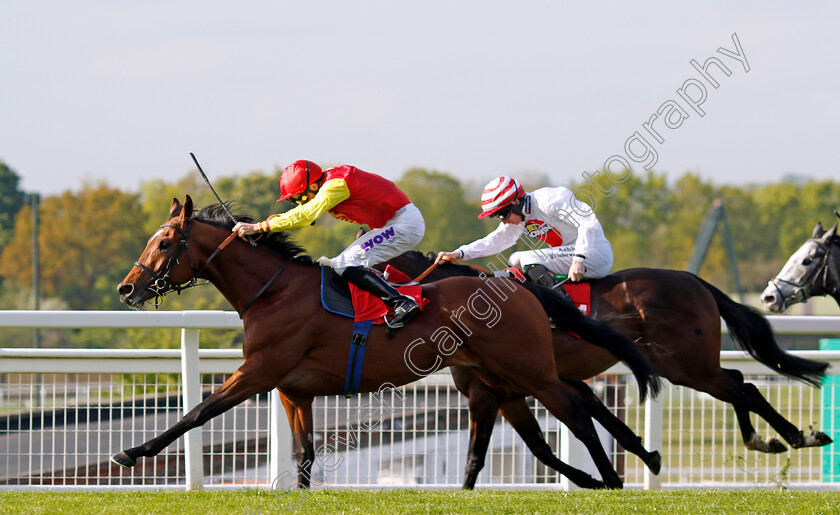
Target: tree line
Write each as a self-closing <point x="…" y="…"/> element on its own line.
<point x="90" y="238"/>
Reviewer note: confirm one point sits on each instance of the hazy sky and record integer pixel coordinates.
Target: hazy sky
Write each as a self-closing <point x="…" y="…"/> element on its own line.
<point x="124" y="91"/>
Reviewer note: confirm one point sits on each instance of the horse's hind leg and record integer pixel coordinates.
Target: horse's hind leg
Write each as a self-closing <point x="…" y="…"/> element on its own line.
<point x="518" y="414"/>
<point x="483" y="407"/>
<point x="752" y="400"/>
<point x="300" y="420"/>
<point x="564" y="403"/>
<point x="484" y="403"/>
<point x="236" y="389"/>
<point x="625" y="436"/>
<point x="745" y="398"/>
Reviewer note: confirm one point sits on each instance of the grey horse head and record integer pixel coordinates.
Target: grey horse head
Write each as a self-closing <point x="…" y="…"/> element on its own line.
<point x="813" y="270"/>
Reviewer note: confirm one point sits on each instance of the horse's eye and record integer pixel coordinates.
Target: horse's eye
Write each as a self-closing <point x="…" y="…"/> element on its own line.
<point x="806" y="261"/>
<point x="163" y="245"/>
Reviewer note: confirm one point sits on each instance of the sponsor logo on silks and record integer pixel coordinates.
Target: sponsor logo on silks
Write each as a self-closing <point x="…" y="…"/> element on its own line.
<point x="379" y="238"/>
<point x="543" y="231"/>
<point x="344" y="218"/>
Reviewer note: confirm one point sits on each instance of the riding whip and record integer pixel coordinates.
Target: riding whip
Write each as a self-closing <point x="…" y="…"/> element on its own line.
<point x="224" y="206"/>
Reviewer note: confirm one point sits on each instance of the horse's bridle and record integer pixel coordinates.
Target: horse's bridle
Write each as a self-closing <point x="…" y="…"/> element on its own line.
<point x="161" y="286"/>
<point x="830" y="280"/>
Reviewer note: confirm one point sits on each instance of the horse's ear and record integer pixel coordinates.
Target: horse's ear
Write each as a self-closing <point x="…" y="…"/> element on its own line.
<point x="174" y="207"/>
<point x="188" y="208"/>
<point x="826" y="238"/>
<point x="818" y="231"/>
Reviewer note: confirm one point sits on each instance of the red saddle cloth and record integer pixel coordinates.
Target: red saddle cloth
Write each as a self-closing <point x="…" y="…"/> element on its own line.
<point x="581" y="295"/>
<point x="370" y="307"/>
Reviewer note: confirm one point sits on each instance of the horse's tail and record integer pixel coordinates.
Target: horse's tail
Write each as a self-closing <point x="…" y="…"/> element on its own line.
<point x="567" y="316"/>
<point x="753" y="333"/>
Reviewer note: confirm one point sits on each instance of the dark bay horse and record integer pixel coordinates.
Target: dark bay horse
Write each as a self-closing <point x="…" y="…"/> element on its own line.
<point x="813" y="270"/>
<point x="675" y="318"/>
<point x="291" y="343"/>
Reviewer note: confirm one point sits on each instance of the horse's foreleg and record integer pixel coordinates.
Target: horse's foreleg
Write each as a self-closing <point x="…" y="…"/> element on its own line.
<point x="300" y="420"/>
<point x="625" y="436"/>
<point x="483" y="406"/>
<point x="518" y="414"/>
<point x="236" y="389"/>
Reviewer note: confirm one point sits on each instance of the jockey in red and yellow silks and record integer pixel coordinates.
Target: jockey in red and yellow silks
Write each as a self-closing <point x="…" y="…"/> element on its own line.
<point x="356" y="196"/>
<point x="348" y="194"/>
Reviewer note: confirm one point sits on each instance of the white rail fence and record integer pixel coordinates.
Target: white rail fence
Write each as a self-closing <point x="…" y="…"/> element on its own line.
<point x="64" y="411"/>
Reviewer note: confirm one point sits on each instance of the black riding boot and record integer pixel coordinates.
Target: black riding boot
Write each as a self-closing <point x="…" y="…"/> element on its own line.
<point x="541" y="275"/>
<point x="403" y="305"/>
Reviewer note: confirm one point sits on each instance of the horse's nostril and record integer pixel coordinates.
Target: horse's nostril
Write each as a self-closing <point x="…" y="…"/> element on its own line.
<point x="768" y="299"/>
<point x="125" y="289"/>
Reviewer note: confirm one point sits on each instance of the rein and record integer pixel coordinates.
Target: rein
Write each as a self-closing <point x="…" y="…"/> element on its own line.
<point x="427" y="272"/>
<point x="453" y="260"/>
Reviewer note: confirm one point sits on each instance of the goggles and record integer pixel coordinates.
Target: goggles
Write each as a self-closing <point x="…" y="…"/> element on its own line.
<point x="502" y="213"/>
<point x="301" y="198"/>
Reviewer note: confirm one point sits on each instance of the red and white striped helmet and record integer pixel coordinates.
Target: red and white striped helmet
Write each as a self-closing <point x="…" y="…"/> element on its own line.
<point x="498" y="194"/>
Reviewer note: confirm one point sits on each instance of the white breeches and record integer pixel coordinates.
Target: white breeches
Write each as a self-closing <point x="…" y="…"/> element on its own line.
<point x="401" y="233"/>
<point x="559" y="259"/>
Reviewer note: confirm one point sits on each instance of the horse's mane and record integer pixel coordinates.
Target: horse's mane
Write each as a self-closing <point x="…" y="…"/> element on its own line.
<point x="445" y="265"/>
<point x="279" y="242"/>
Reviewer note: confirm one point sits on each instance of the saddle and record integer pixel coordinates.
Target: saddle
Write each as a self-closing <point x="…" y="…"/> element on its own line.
<point x="342" y="298"/>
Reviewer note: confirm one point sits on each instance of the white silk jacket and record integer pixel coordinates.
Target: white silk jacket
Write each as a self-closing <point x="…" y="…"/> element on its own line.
<point x="552" y="215"/>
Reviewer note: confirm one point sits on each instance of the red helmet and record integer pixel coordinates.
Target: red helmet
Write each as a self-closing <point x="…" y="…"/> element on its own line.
<point x="498" y="194"/>
<point x="297" y="177"/>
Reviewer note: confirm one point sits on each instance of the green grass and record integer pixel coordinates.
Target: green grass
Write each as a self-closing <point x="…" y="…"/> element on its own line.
<point x="245" y="502"/>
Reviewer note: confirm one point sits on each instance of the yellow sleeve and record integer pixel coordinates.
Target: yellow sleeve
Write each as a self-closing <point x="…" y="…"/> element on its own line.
<point x="329" y="195"/>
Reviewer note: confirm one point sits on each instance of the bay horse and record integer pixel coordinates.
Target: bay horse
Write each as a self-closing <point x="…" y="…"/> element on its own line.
<point x="291" y="343"/>
<point x="674" y="317"/>
<point x="813" y="270"/>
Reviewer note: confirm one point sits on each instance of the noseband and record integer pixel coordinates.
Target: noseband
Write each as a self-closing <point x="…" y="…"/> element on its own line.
<point x="800" y="293"/>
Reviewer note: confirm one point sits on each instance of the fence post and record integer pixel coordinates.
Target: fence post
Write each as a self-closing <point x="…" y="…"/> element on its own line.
<point x="191" y="381"/>
<point x="654" y="408"/>
<point x="572" y="452"/>
<point x="280" y="448"/>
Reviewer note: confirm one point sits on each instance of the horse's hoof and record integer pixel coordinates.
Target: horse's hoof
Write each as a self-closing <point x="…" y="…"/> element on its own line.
<point x="613" y="482"/>
<point x="591" y="483"/>
<point x="775" y="446"/>
<point x="654" y="462"/>
<point x="772" y="446"/>
<point x="816" y="439"/>
<point x="584" y="480"/>
<point x="123" y="460"/>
